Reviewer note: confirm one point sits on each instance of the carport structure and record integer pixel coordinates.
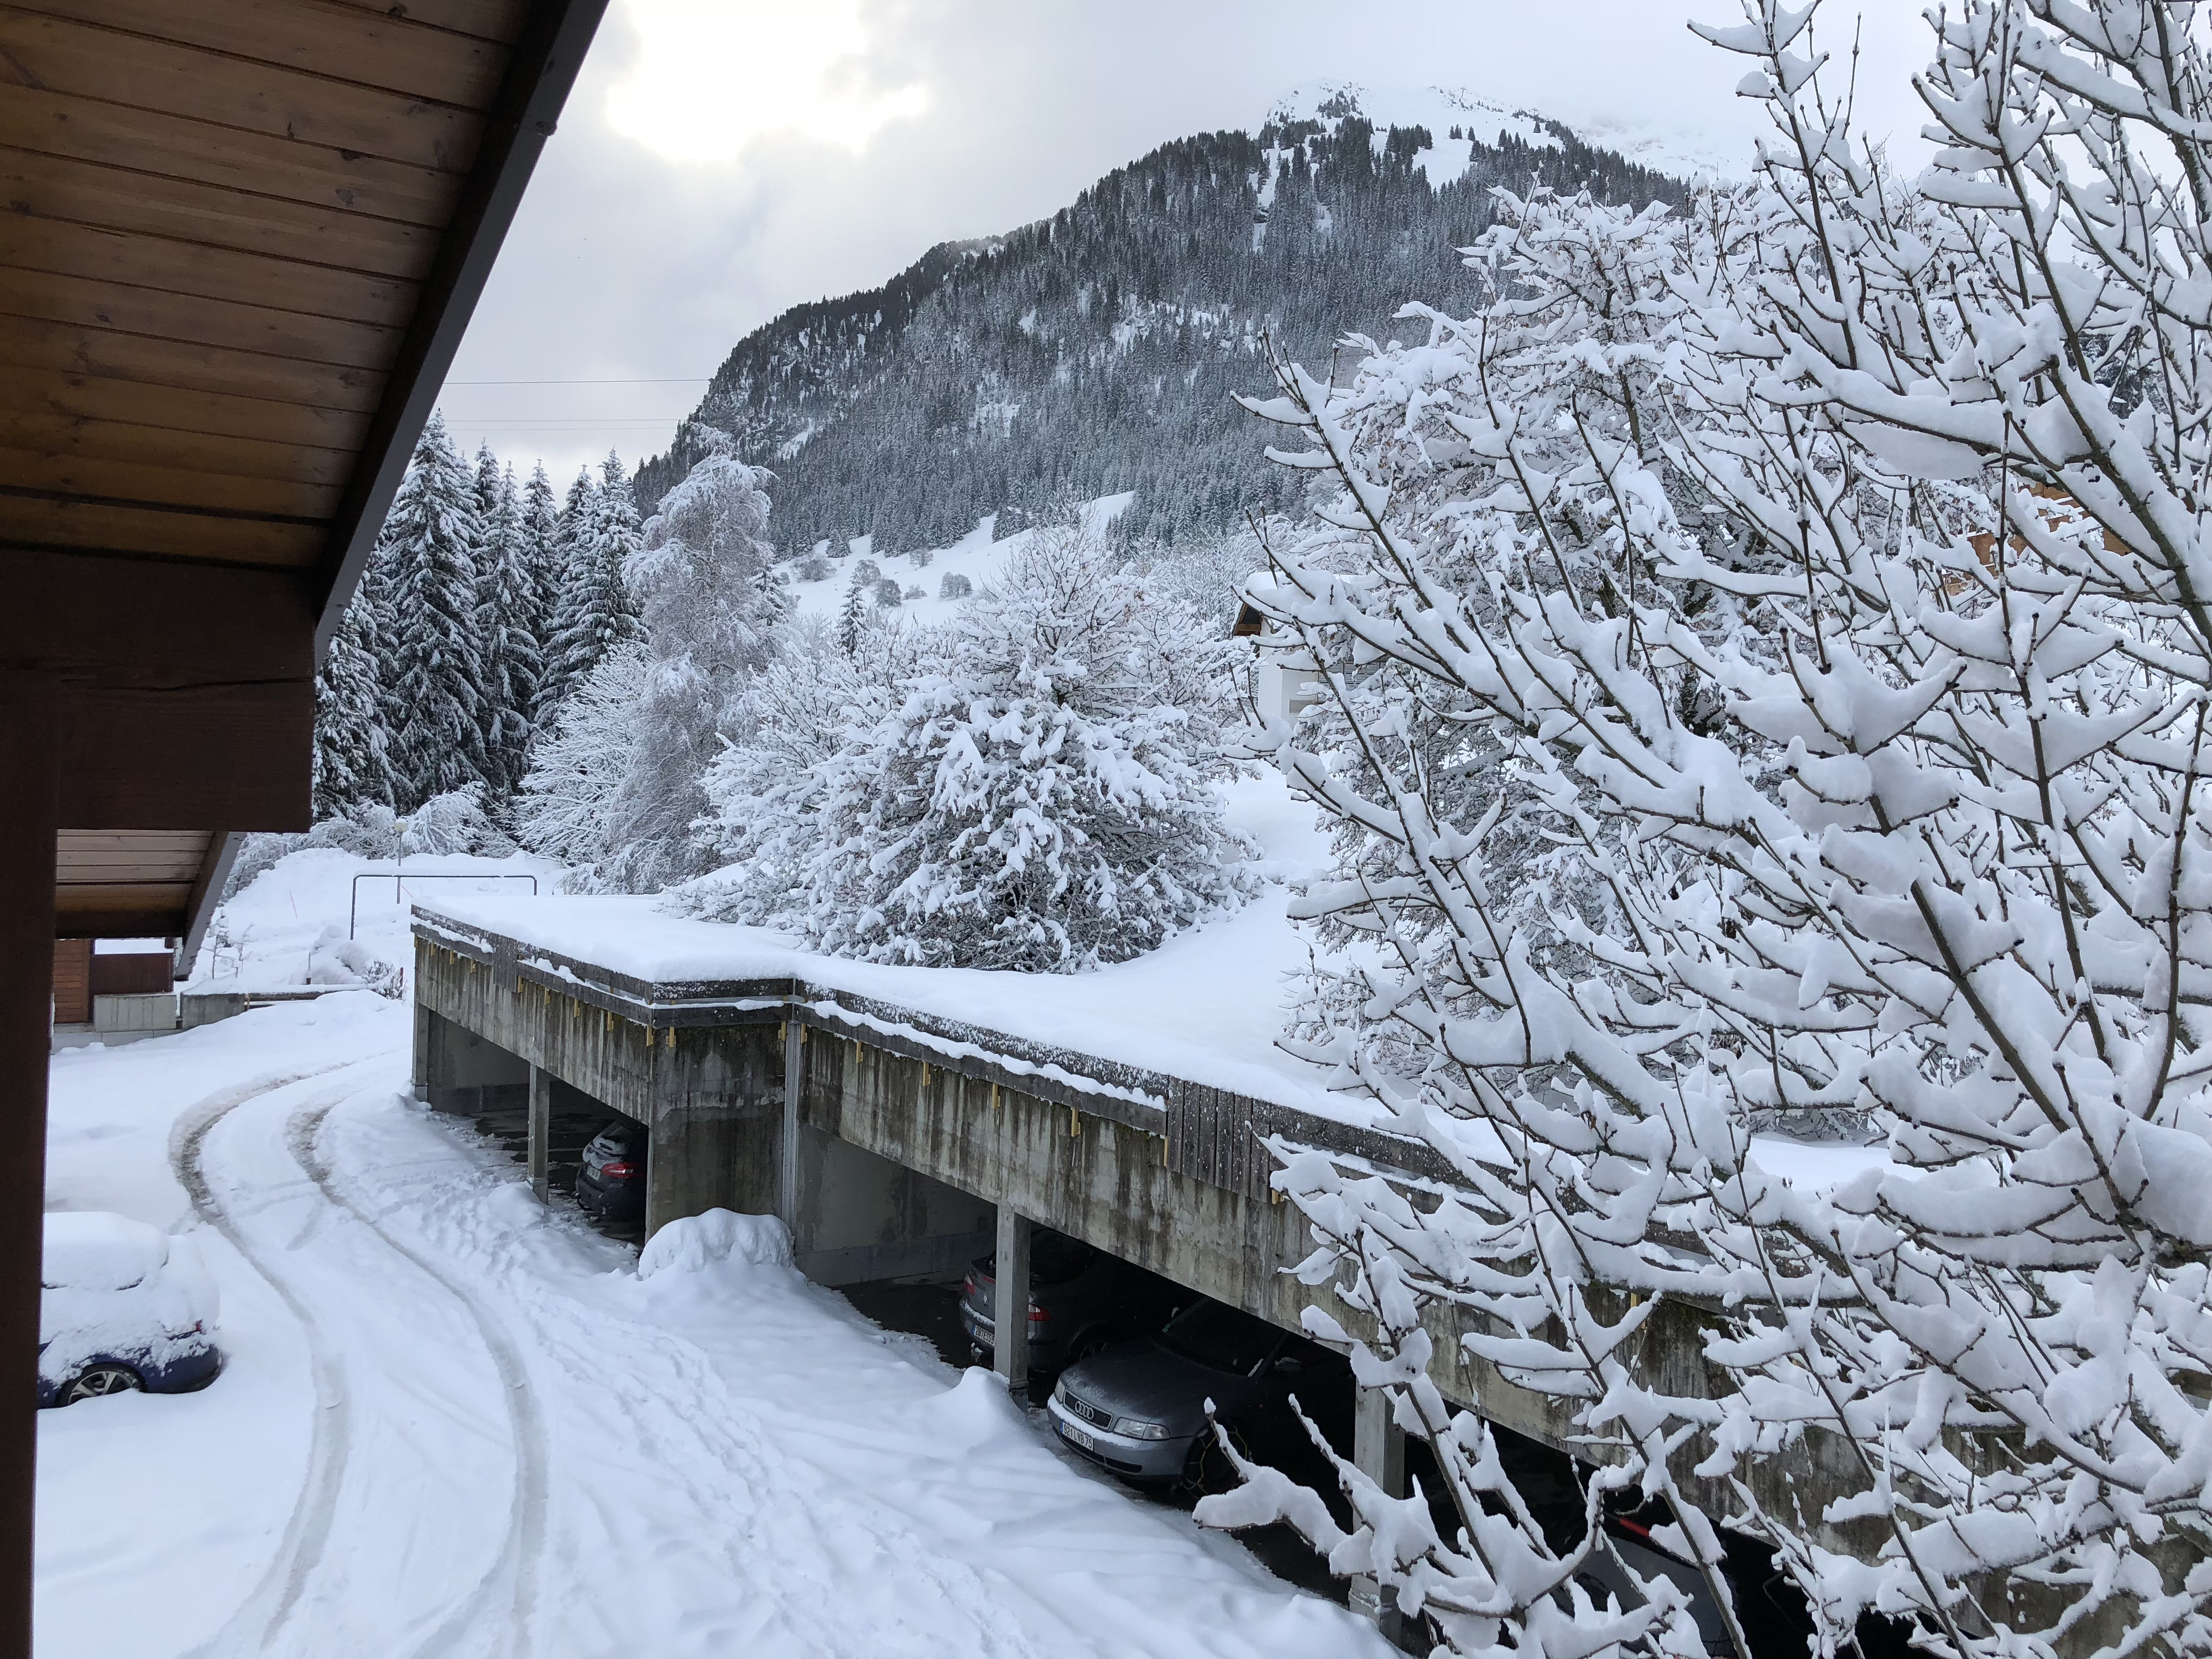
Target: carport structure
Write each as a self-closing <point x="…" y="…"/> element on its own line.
<point x="244" y="239"/>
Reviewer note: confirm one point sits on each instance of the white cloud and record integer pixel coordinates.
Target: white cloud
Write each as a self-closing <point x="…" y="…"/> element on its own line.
<point x="708" y="76"/>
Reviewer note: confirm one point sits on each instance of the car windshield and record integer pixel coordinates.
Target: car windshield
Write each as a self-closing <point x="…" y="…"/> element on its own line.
<point x="1054" y="1258"/>
<point x="1217" y="1335"/>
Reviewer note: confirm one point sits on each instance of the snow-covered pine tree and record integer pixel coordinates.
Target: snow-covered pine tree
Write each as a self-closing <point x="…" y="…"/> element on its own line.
<point x="351" y="767"/>
<point x="507" y="604"/>
<point x="1034" y="805"/>
<point x="435" y="665"/>
<point x="597" y="610"/>
<point x="853" y="615"/>
<point x="566" y="588"/>
<point x="488" y="479"/>
<point x="542" y="555"/>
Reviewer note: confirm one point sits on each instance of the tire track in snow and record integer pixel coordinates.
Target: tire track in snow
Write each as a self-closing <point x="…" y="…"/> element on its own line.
<point x="308" y="1528"/>
<point x="516" y="1568"/>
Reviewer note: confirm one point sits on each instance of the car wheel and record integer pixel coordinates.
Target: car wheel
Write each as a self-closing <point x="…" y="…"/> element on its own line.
<point x="94" y="1381"/>
<point x="1208" y="1469"/>
<point x="1088" y="1343"/>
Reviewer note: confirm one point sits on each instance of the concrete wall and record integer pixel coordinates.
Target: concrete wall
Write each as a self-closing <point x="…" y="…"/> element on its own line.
<point x="144" y="1011"/>
<point x="863" y="1217"/>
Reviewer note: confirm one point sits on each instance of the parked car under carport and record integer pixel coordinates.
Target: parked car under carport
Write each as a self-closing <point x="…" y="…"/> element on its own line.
<point x="611" y="1181"/>
<point x="1081" y="1300"/>
<point x="1138" y="1408"/>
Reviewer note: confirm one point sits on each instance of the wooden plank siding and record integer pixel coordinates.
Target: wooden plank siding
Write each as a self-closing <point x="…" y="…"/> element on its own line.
<point x="72" y="981"/>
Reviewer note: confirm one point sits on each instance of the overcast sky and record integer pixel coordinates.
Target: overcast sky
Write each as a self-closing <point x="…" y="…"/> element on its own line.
<point x="721" y="160"/>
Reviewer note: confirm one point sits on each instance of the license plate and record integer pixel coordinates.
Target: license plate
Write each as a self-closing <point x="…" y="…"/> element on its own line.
<point x="1076" y="1436"/>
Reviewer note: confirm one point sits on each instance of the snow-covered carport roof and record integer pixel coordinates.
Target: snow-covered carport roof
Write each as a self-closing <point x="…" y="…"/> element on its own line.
<point x="243" y="239"/>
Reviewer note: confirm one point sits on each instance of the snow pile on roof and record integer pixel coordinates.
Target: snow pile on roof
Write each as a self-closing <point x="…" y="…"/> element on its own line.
<point x="1206" y="1006"/>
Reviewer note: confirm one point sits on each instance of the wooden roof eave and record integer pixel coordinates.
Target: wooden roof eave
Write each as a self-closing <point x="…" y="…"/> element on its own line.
<point x="539" y="76"/>
<point x="206" y="724"/>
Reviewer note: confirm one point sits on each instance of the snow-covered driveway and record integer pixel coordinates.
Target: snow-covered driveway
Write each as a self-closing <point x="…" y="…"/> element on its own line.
<point x="456" y="1422"/>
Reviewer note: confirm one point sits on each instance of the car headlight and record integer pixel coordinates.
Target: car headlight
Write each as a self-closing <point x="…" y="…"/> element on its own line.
<point x="1136" y="1428"/>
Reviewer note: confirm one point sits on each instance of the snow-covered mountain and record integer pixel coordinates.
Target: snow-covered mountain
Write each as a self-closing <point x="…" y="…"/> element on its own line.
<point x="1096" y="352"/>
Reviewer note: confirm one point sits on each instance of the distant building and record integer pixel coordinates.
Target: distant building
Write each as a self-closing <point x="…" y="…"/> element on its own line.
<point x="1285" y="679"/>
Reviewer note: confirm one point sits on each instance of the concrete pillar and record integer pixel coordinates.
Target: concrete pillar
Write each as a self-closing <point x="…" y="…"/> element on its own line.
<point x="1010" y="1341"/>
<point x="786" y="1145"/>
<point x="1378" y="1447"/>
<point x="425" y="1040"/>
<point x="693" y="1164"/>
<point x="541" y="1128"/>
<point x="30" y="801"/>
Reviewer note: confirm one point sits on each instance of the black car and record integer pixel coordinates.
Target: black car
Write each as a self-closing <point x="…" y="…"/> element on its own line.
<point x="1080" y="1300"/>
<point x="1139" y="1408"/>
<point x="612" y="1182"/>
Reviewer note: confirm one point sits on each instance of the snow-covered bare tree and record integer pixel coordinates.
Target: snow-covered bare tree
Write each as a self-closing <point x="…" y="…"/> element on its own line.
<point x="1825" y="572"/>
<point x="1033" y="805"/>
<point x="708" y="609"/>
<point x="764" y="792"/>
<point x="578" y="763"/>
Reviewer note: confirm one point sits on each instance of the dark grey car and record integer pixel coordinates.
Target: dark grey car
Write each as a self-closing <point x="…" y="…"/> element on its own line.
<point x="611" y="1184"/>
<point x="1138" y="1408"/>
<point x="1080" y="1300"/>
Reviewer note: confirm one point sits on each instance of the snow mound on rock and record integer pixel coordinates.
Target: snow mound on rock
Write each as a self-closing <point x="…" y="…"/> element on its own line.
<point x="693" y="1243"/>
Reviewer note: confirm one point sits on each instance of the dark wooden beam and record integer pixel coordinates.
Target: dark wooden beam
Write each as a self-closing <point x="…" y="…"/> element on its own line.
<point x="30" y="738"/>
<point x="542" y="68"/>
<point x="206" y="894"/>
<point x="160" y="923"/>
<point x="95" y="618"/>
<point x="219" y="756"/>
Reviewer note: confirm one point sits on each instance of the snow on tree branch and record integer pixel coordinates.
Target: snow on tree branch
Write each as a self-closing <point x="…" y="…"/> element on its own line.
<point x="1820" y="578"/>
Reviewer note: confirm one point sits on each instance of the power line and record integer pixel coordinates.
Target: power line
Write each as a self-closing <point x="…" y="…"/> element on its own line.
<point x="680" y="379"/>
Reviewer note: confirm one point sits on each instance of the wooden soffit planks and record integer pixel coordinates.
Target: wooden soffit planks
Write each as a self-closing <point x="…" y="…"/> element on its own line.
<point x="220" y="217"/>
<point x="126" y="884"/>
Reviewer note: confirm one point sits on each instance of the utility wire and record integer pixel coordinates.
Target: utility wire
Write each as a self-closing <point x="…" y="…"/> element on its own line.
<point x="681" y="379"/>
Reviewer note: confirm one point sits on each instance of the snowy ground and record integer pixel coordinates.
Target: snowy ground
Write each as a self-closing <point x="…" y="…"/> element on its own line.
<point x="975" y="555"/>
<point x="267" y="936"/>
<point x="456" y="1421"/>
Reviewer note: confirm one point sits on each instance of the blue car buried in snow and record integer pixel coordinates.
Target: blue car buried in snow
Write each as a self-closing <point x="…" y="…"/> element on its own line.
<point x="123" y="1307"/>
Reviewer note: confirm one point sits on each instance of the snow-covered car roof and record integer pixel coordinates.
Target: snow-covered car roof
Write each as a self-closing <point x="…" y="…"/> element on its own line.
<point x="96" y="1250"/>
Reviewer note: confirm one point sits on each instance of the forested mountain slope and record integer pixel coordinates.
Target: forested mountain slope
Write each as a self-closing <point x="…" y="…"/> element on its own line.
<point x="1096" y="351"/>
